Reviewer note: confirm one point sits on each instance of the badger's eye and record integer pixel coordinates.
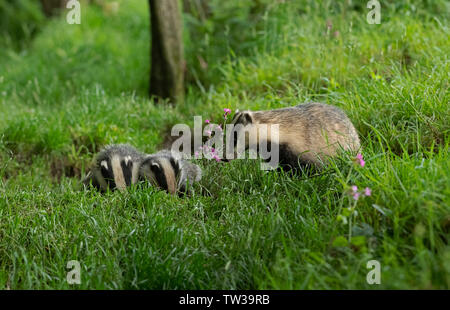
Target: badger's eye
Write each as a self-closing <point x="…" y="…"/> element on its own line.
<point x="155" y="167"/>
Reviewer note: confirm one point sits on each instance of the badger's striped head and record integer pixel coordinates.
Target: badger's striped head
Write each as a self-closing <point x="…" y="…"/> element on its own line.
<point x="116" y="166"/>
<point x="161" y="171"/>
<point x="243" y="121"/>
<point x="115" y="172"/>
<point x="243" y="117"/>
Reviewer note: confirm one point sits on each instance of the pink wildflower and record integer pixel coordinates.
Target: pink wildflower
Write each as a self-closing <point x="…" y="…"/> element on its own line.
<point x="356" y="195"/>
<point x="367" y="191"/>
<point x="227" y="111"/>
<point x="359" y="157"/>
<point x="207" y="121"/>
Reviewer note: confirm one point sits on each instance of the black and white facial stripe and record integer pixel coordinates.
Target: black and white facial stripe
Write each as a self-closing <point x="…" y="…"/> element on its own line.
<point x="117" y="171"/>
<point x="119" y="166"/>
<point x="167" y="171"/>
<point x="115" y="167"/>
<point x="161" y="169"/>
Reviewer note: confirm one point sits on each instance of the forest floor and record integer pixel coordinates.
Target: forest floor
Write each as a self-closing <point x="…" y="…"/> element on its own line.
<point x="67" y="90"/>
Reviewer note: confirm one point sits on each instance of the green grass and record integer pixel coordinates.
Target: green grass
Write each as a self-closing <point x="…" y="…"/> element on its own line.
<point x="67" y="90"/>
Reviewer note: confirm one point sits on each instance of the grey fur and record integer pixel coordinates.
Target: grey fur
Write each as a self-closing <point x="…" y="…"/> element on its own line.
<point x="308" y="133"/>
<point x="164" y="169"/>
<point x="189" y="174"/>
<point x="102" y="175"/>
<point x="175" y="173"/>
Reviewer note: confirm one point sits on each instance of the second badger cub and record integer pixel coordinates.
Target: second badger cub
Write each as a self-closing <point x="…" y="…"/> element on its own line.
<point x="168" y="171"/>
<point x="307" y="133"/>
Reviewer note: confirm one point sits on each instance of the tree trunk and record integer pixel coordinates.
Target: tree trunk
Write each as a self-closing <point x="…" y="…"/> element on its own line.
<point x="167" y="59"/>
<point x="51" y="7"/>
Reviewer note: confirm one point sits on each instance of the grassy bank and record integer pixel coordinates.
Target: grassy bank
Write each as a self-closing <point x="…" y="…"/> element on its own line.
<point x="67" y="90"/>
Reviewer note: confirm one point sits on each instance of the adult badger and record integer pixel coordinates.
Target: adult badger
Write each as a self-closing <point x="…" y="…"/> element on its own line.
<point x="308" y="134"/>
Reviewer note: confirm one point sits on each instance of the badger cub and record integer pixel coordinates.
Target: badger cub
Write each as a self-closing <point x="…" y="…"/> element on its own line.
<point x="115" y="167"/>
<point x="121" y="165"/>
<point x="307" y="134"/>
<point x="167" y="170"/>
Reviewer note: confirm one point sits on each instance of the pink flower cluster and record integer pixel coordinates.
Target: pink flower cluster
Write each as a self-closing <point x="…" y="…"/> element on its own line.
<point x="226" y="112"/>
<point x="356" y="194"/>
<point x="209" y="132"/>
<point x="209" y="152"/>
<point x="360" y="160"/>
